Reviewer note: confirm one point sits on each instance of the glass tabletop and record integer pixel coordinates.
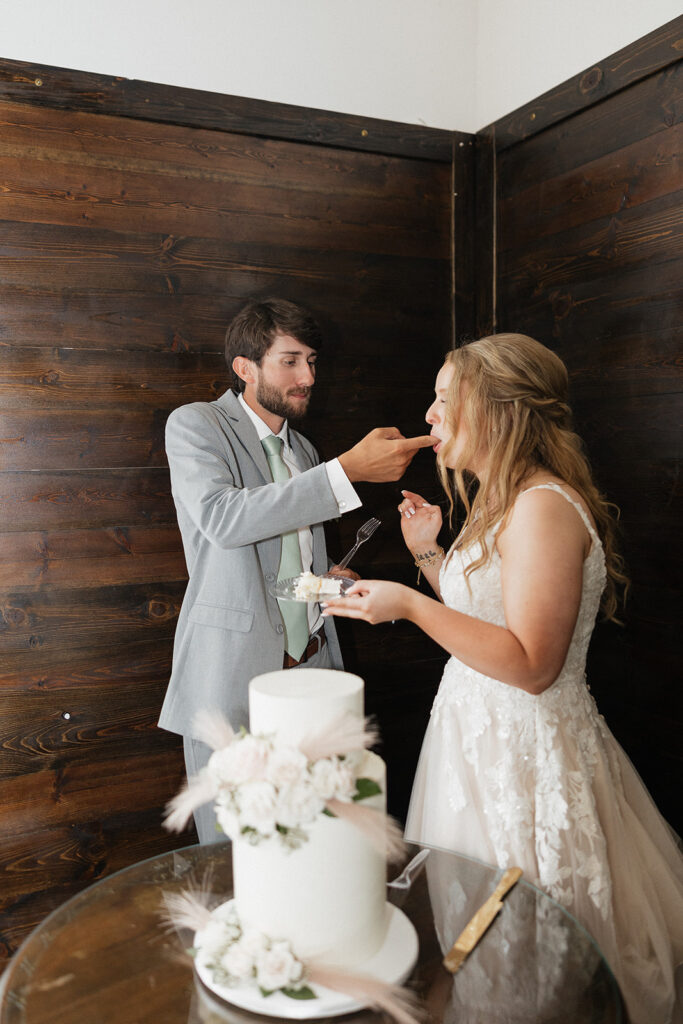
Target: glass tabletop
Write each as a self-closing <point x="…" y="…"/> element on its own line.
<point x="105" y="956"/>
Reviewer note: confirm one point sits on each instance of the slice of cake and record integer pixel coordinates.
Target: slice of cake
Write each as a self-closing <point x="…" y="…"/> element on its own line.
<point x="310" y="587"/>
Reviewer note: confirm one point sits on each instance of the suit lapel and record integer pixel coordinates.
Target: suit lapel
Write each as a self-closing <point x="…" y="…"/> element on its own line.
<point x="303" y="461"/>
<point x="245" y="433"/>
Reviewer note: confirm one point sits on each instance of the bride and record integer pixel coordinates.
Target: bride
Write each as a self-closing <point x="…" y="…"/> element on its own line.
<point x="517" y="766"/>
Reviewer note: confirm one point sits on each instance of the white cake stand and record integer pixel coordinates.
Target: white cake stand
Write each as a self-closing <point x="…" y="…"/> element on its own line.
<point x="392" y="963"/>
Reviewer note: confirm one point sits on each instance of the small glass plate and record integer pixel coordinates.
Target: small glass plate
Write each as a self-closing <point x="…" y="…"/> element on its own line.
<point x="284" y="590"/>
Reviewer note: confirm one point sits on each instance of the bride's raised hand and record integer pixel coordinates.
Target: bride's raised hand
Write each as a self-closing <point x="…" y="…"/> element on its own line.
<point x="420" y="521"/>
<point x="371" y="600"/>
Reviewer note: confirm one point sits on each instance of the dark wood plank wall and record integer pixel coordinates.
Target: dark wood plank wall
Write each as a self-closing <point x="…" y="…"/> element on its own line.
<point x="132" y="226"/>
<point x="589" y="259"/>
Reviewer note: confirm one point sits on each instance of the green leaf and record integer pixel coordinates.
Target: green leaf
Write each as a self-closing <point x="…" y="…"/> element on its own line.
<point x="265" y="992"/>
<point x="328" y="813"/>
<point x="299" y="993"/>
<point x="366" y="788"/>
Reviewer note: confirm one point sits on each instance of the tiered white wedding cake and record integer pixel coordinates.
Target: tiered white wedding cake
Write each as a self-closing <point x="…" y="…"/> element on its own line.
<point x="309" y="932"/>
<point x="327" y="896"/>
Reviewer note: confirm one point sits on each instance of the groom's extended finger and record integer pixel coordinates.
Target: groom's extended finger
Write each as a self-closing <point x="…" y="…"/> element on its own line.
<point x="413" y="444"/>
<point x="404" y="451"/>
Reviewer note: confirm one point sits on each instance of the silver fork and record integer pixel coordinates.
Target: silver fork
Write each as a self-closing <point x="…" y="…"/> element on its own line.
<point x="365" y="532"/>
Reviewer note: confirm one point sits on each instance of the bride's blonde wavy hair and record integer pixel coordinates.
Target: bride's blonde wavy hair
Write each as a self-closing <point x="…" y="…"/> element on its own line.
<point x="515" y="409"/>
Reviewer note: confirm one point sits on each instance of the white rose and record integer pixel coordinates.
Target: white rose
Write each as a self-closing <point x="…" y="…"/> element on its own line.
<point x="298" y="805"/>
<point x="286" y="766"/>
<point x="345" y="782"/>
<point x="333" y="778"/>
<point x="227" y="915"/>
<point x="276" y="968"/>
<point x="211" y="939"/>
<point x="254" y="942"/>
<point x="219" y="766"/>
<point x="297" y="969"/>
<point x="323" y="778"/>
<point x="238" y="962"/>
<point x="244" y="760"/>
<point x="256" y="803"/>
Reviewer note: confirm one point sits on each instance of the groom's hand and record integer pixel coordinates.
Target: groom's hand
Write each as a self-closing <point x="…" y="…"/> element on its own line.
<point x="348" y="574"/>
<point x="382" y="455"/>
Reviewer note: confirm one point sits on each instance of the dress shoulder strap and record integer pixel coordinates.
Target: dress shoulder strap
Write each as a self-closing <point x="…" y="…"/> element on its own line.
<point x="579" y="508"/>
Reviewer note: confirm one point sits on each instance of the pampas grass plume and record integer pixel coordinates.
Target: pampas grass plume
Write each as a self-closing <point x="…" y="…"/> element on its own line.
<point x="378" y="828"/>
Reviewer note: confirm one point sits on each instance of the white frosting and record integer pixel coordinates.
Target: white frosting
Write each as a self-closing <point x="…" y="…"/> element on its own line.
<point x="328" y="897"/>
<point x="293" y="702"/>
<point x="309" y="586"/>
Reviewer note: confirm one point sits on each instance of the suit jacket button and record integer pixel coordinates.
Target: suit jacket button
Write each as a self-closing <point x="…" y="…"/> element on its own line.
<point x="270" y="576"/>
<point x="280" y="628"/>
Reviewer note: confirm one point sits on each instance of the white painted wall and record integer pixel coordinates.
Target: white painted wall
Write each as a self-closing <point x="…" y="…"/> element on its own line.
<point x="401" y="60"/>
<point x="444" y="63"/>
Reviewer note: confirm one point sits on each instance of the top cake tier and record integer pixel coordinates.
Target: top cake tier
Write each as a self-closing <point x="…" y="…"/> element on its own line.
<point x="294" y="702"/>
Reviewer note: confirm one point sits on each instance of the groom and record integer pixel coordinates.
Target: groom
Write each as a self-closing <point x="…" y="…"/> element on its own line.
<point x="251" y="492"/>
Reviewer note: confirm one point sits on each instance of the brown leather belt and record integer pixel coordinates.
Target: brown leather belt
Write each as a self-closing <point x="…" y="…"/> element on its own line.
<point x="315" y="644"/>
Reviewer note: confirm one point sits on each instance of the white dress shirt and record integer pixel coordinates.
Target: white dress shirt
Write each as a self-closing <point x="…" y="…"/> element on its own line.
<point x="342" y="488"/>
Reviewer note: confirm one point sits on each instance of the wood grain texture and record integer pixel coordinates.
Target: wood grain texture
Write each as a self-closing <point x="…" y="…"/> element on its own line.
<point x="646" y="170"/>
<point x="93" y="617"/>
<point x="33" y="379"/>
<point x="135" y="222"/>
<point x="90" y="439"/>
<point x="60" y="88"/>
<point x="648" y="108"/>
<point x="39" y="500"/>
<point x="649" y="234"/>
<point x="47" y="191"/>
<point x="127" y="144"/>
<point x="112" y="555"/>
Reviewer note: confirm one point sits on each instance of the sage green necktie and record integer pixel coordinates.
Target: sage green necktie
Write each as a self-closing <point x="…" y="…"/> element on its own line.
<point x="294" y="613"/>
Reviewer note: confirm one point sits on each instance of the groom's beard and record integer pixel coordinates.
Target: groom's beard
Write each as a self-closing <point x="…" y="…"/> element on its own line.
<point x="281" y="403"/>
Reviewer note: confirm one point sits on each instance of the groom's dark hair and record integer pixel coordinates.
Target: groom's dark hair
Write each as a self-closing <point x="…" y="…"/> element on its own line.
<point x="252" y="331"/>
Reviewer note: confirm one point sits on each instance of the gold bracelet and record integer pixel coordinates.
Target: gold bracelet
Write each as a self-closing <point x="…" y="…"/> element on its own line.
<point x="429" y="558"/>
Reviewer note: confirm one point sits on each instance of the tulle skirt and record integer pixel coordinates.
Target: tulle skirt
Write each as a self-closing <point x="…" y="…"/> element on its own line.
<point x="541" y="783"/>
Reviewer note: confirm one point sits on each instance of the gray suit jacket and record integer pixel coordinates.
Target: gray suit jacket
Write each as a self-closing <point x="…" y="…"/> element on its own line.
<point x="231" y="516"/>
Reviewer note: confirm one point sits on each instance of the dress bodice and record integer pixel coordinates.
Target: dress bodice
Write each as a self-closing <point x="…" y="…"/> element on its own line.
<point x="481" y="593"/>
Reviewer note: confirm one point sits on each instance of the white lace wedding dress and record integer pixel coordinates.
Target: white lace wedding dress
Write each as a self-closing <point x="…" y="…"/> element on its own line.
<point x="540" y="782"/>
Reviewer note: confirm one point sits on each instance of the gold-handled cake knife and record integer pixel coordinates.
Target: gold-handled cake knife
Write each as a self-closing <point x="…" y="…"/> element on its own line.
<point x="476" y="927"/>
